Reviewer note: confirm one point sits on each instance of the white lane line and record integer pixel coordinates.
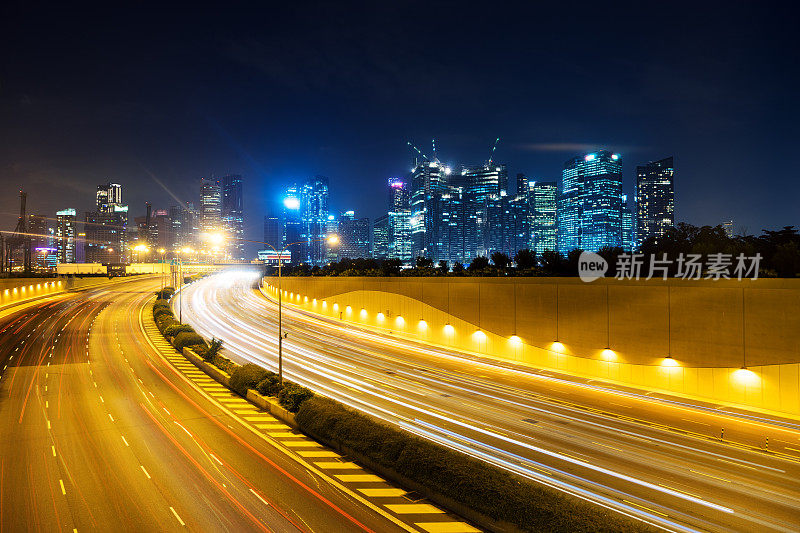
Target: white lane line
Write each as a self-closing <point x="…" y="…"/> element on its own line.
<point x="63" y="490"/>
<point x="111" y="417"/>
<point x="54" y="450"/>
<point x="260" y="498"/>
<point x="145" y="472"/>
<point x="176" y="516"/>
<point x="125" y="441"/>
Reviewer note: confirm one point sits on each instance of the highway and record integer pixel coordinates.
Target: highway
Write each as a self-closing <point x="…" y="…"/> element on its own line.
<point x="100" y="432"/>
<point x="663" y="462"/>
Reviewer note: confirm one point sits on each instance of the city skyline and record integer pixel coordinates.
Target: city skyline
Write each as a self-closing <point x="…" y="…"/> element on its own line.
<point x="698" y="93"/>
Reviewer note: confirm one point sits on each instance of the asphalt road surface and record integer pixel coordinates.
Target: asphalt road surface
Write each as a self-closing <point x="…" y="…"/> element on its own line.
<point x="661" y="461"/>
<point x="101" y="433"/>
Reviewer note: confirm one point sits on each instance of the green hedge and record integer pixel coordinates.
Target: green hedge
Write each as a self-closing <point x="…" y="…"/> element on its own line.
<point x="165" y="321"/>
<point x="161" y="303"/>
<point x="224" y="364"/>
<point x="247" y="377"/>
<point x="292" y="396"/>
<point x="174" y="329"/>
<point x="270" y="385"/>
<point x="160" y="311"/>
<point x="475" y="484"/>
<point x="165" y="293"/>
<point x="187" y="338"/>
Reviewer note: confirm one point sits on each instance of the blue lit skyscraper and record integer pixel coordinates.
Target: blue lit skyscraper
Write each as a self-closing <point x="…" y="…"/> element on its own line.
<point x="232" y="214"/>
<point x="399" y="221"/>
<point x="590" y="203"/>
<point x="542" y="199"/>
<point x="428" y="181"/>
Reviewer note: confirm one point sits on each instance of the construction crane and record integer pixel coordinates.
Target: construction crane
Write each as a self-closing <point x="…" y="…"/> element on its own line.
<point x="19" y="239"/>
<point x="418" y="151"/>
<point x="491" y="155"/>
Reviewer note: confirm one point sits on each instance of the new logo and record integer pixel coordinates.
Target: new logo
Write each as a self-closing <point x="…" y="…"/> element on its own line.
<point x="591" y="266"/>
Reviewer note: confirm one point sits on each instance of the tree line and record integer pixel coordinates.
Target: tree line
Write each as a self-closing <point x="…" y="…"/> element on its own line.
<point x="779" y="253"/>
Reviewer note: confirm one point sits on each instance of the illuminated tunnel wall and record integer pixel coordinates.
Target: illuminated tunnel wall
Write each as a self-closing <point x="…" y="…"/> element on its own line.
<point x="679" y="336"/>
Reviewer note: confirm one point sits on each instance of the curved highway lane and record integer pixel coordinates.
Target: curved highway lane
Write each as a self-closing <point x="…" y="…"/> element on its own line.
<point x="662" y="462"/>
<point x="101" y="433"/>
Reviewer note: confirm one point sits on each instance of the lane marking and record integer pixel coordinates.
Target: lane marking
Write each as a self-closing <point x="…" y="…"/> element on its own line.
<point x="145" y="472"/>
<point x="63" y="490"/>
<point x="176" y="516"/>
<point x="260" y="498"/>
<point x="709" y="475"/>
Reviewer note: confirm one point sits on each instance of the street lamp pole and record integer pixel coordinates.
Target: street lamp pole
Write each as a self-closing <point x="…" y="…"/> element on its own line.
<point x="332" y="239"/>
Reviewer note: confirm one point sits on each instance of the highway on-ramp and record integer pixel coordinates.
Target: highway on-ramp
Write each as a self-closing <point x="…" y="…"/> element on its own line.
<point x="661" y="461"/>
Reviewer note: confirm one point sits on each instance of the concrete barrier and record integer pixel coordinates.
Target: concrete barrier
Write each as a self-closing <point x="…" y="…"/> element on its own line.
<point x="682" y="337"/>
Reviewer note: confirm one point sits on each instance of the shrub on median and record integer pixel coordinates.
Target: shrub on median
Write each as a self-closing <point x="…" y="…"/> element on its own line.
<point x="475" y="484"/>
<point x="247" y="377"/>
<point x="270" y="385"/>
<point x="292" y="396"/>
<point x="160" y="311"/>
<point x="165" y="293"/>
<point x="187" y="338"/>
<point x="173" y="329"/>
<point x="164" y="321"/>
<point x="224" y="364"/>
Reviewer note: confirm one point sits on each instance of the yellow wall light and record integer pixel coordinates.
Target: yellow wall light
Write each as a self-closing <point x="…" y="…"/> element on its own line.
<point x="746" y="377"/>
<point x="479" y="336"/>
<point x="557" y="347"/>
<point x="400" y="321"/>
<point x="380" y="317"/>
<point x="363" y="313"/>
<point x="669" y="362"/>
<point x="448" y="329"/>
<point x="422" y="325"/>
<point x="609" y="355"/>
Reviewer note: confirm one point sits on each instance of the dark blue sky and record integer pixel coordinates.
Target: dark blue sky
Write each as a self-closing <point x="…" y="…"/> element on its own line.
<point x="278" y="92"/>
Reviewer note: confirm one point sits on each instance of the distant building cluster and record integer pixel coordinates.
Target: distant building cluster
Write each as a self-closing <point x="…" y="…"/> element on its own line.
<point x="212" y="229"/>
<point x="453" y="214"/>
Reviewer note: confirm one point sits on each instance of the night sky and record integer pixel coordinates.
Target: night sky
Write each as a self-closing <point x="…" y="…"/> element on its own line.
<point x="152" y="96"/>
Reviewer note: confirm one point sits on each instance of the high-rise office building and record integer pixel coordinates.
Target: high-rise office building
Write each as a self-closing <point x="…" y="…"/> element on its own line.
<point x="210" y="205"/>
<point x="107" y="197"/>
<point x="65" y="235"/>
<point x="481" y="185"/>
<point x="273" y="232"/>
<point x="626" y="225"/>
<point x="354" y="237"/>
<point x="428" y="181"/>
<point x="233" y="215"/>
<point x="589" y="206"/>
<point x="305" y="221"/>
<point x="542" y="199"/>
<point x="106" y="236"/>
<point x="655" y="199"/>
<point x="381" y="237"/>
<point x="399" y="220"/>
<point x="314" y="219"/>
<point x="507" y="224"/>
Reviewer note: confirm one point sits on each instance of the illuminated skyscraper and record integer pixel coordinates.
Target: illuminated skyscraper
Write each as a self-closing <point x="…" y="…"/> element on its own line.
<point x="428" y="181"/>
<point x="108" y="196"/>
<point x="655" y="199"/>
<point x="106" y="227"/>
<point x="305" y="220"/>
<point x="481" y="185"/>
<point x="590" y="203"/>
<point x="399" y="220"/>
<point x="626" y="222"/>
<point x="380" y="237"/>
<point x="542" y="199"/>
<point x="233" y="215"/>
<point x="65" y="235"/>
<point x="210" y="205"/>
<point x="354" y="237"/>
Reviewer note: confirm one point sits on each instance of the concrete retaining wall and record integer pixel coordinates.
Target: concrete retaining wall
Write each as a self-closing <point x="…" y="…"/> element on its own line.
<point x="678" y="336"/>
